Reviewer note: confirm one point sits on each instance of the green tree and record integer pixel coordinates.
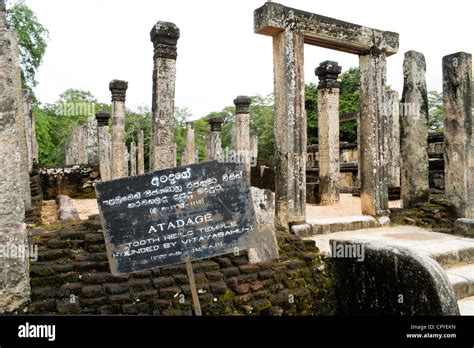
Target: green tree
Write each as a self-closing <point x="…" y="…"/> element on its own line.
<point x="261" y="124"/>
<point x="435" y="111"/>
<point x="32" y="36"/>
<point x="54" y="124"/>
<point x="72" y="95"/>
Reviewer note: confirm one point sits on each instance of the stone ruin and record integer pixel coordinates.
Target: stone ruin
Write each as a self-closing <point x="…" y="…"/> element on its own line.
<point x="392" y="146"/>
<point x="392" y="141"/>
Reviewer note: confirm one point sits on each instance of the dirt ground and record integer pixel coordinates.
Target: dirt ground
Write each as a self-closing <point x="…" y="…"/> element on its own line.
<point x="348" y="206"/>
<point x="85" y="207"/>
<point x="49" y="212"/>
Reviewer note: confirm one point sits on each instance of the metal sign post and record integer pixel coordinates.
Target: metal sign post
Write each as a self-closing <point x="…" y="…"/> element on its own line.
<point x="192" y="284"/>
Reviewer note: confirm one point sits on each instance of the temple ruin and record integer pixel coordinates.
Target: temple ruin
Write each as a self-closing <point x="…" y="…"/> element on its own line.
<point x="414" y="189"/>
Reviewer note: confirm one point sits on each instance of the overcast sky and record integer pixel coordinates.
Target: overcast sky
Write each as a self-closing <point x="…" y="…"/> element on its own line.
<point x="219" y="55"/>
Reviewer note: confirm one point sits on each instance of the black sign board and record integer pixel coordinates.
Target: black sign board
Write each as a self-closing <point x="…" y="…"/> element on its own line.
<point x="162" y="218"/>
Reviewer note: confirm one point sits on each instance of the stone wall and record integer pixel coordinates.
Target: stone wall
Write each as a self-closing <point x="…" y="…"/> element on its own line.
<point x="75" y="181"/>
<point x="72" y="276"/>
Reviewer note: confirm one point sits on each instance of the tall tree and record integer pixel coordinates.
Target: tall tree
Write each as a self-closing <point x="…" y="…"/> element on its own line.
<point x="32" y="36"/>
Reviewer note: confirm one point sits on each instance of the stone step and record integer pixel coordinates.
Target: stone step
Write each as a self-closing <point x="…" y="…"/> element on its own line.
<point x="337" y="224"/>
<point x="466" y="306"/>
<point x="462" y="279"/>
<point x="448" y="250"/>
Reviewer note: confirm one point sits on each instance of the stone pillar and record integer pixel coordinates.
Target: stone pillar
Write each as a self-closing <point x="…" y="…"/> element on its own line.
<point x="415" y="186"/>
<point x="104" y="145"/>
<point x="393" y="137"/>
<point x="189" y="153"/>
<point x="233" y="135"/>
<point x="14" y="271"/>
<point x="458" y="133"/>
<point x="242" y="130"/>
<point x="372" y="132"/>
<point x="34" y="140"/>
<point x="92" y="142"/>
<point x="213" y="139"/>
<point x="253" y="149"/>
<point x="119" y="165"/>
<point x="141" y="153"/>
<point x="290" y="128"/>
<point x="28" y="127"/>
<point x="328" y="131"/>
<point x="126" y="157"/>
<point x="133" y="159"/>
<point x="23" y="143"/>
<point x="164" y="36"/>
<point x="76" y="150"/>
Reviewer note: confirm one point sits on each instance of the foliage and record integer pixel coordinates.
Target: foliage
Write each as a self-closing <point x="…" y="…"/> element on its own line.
<point x="56" y="122"/>
<point x="349" y="91"/>
<point x="435" y="111"/>
<point x="32" y="36"/>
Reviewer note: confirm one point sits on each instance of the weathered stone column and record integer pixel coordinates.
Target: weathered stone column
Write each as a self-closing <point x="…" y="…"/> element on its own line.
<point x="213" y="139"/>
<point x="141" y="153"/>
<point x="164" y="36"/>
<point x="28" y="127"/>
<point x="393" y="136"/>
<point x="328" y="131"/>
<point x="76" y="150"/>
<point x="133" y="159"/>
<point x="126" y="156"/>
<point x="372" y="132"/>
<point x="92" y="142"/>
<point x="415" y="186"/>
<point x="119" y="164"/>
<point x="242" y="130"/>
<point x="104" y="145"/>
<point x="290" y="128"/>
<point x="253" y="149"/>
<point x="34" y="141"/>
<point x="22" y="140"/>
<point x="189" y="153"/>
<point x="14" y="270"/>
<point x="458" y="133"/>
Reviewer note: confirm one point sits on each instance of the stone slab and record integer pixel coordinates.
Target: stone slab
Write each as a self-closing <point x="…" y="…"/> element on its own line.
<point x="322" y="31"/>
<point x="466" y="306"/>
<point x="464" y="227"/>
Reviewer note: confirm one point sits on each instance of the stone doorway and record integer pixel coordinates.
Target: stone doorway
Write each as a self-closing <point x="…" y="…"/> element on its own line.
<point x="291" y="29"/>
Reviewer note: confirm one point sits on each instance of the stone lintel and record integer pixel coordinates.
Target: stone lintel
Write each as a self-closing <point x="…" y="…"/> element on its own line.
<point x="164" y="36"/>
<point x="328" y="72"/>
<point x="102" y="118"/>
<point x="118" y="89"/>
<point x="322" y="31"/>
<point x="242" y="104"/>
<point x="216" y="124"/>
